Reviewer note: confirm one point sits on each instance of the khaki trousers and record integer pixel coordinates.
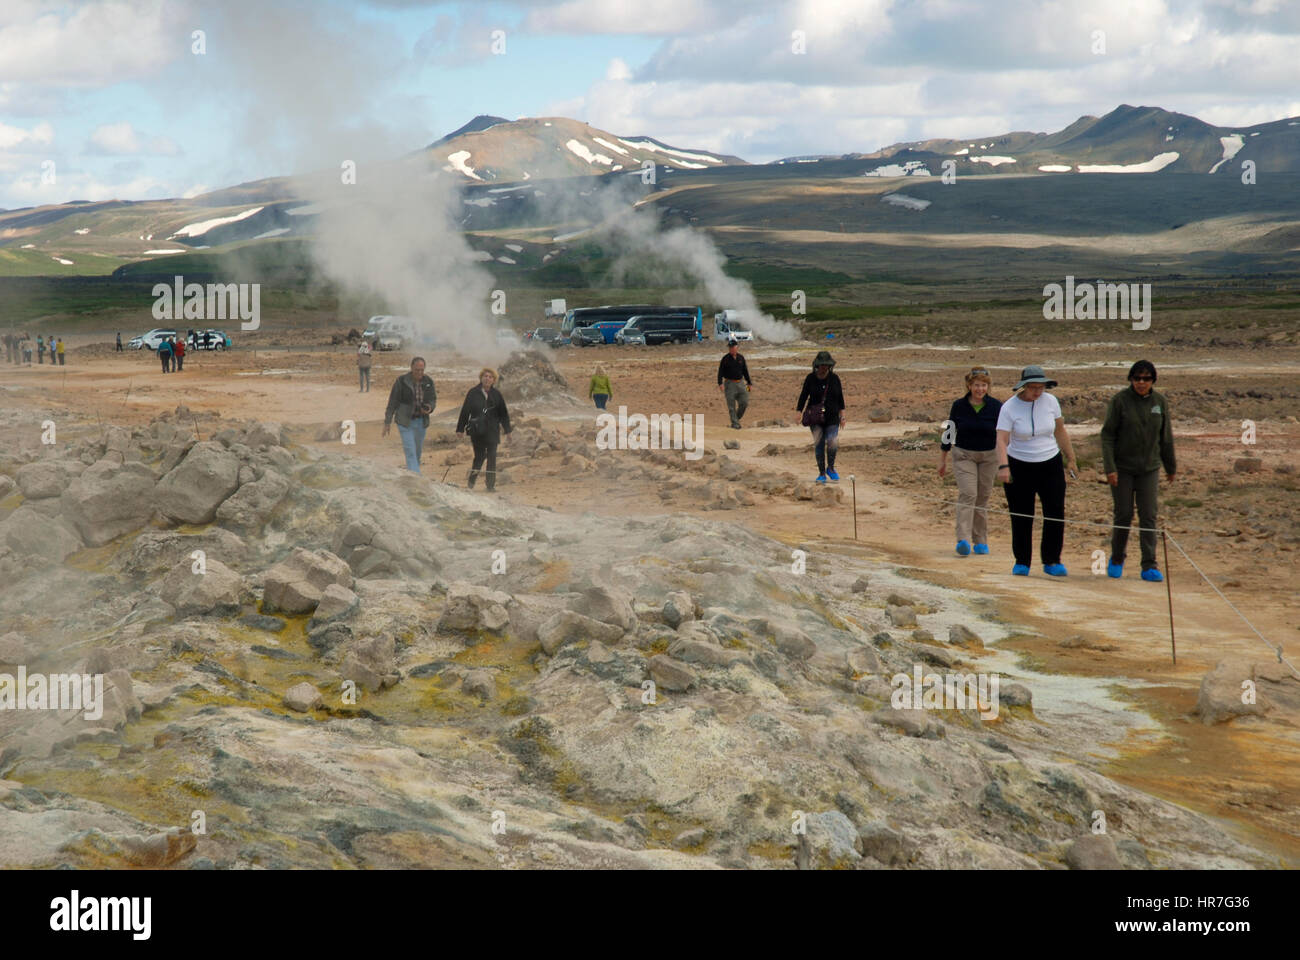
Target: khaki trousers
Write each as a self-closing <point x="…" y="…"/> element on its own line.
<point x="975" y="471"/>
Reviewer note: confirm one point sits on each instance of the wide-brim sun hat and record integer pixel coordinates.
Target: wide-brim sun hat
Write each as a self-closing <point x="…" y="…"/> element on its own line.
<point x="823" y="359"/>
<point x="1034" y="374"/>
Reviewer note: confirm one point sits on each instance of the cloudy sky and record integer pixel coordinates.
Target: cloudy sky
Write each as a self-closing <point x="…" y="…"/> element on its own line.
<point x="121" y="98"/>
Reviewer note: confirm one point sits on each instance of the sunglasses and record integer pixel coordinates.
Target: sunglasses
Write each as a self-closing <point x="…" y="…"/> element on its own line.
<point x="979" y="372"/>
<point x="1146" y="379"/>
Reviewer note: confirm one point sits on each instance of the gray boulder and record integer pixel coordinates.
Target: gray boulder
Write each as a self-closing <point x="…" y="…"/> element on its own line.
<point x="1096" y="851"/>
<point x="303" y="697"/>
<point x="29" y="532"/>
<point x="567" y="627"/>
<point x="109" y="499"/>
<point x="1223" y="692"/>
<point x="606" y="604"/>
<point x="192" y="491"/>
<point x="472" y="607"/>
<point x="671" y="674"/>
<point x="335" y="601"/>
<point x="251" y="505"/>
<point x="678" y="608"/>
<point x="47" y="478"/>
<point x="296" y="583"/>
<point x="218" y="590"/>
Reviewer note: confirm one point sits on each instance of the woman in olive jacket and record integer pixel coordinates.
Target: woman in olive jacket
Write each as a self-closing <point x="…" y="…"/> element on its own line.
<point x="824" y="396"/>
<point x="482" y="415"/>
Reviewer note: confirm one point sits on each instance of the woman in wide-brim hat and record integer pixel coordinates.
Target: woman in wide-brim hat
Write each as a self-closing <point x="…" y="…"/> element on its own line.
<point x="1034" y="450"/>
<point x="824" y="397"/>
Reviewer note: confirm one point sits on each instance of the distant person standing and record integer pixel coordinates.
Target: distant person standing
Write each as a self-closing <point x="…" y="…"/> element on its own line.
<point x="119" y="341"/>
<point x="974" y="459"/>
<point x="599" y="389"/>
<point x="40" y="350"/>
<point x="733" y="369"/>
<point x="178" y="354"/>
<point x="51" y="346"/>
<point x="410" y="402"/>
<point x="482" y="416"/>
<point x="1137" y="437"/>
<point x="60" y="346"/>
<point x="822" y="403"/>
<point x="27" y="349"/>
<point x="363" y="366"/>
<point x="1031" y="441"/>
<point x="9" y="348"/>
<point x="165" y="354"/>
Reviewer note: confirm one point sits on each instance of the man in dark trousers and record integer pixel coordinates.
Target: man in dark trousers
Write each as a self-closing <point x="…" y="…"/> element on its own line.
<point x="735" y="373"/>
<point x="119" y="341"/>
<point x="1137" y="437"/>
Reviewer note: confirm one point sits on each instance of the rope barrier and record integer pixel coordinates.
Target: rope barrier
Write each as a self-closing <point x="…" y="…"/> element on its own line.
<point x="1277" y="650"/>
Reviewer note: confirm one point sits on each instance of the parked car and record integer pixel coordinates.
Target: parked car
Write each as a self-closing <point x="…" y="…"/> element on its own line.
<point x="727" y="325"/>
<point x="208" y="340"/>
<point x="550" y="336"/>
<point x="151" y="339"/>
<point x="586" y="336"/>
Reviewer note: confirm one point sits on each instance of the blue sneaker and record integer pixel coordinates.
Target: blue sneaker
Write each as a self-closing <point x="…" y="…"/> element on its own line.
<point x="982" y="549"/>
<point x="1020" y="570"/>
<point x="821" y="478"/>
<point x="1154" y="575"/>
<point x="832" y="476"/>
<point x="1114" y="570"/>
<point x="1055" y="569"/>
<point x="963" y="548"/>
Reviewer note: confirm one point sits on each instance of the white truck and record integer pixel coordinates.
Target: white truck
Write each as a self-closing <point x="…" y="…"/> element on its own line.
<point x="727" y="325"/>
<point x="553" y="308"/>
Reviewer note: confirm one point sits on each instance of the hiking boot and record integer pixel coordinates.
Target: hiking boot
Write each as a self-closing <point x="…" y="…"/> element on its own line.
<point x="963" y="548"/>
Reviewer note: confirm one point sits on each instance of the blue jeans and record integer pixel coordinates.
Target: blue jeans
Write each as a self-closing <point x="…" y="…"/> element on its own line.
<point x="600" y="399"/>
<point x="828" y="440"/>
<point x="412" y="442"/>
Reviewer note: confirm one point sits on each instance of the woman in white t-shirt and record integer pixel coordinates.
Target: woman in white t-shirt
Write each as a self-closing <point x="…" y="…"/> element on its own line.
<point x="1031" y="440"/>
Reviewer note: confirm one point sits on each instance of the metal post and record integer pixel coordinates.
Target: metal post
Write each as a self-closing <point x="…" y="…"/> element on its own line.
<point x="1169" y="593"/>
<point x="854" y="482"/>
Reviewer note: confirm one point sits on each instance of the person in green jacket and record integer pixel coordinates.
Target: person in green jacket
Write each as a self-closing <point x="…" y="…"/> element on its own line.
<point x="1136" y="439"/>
<point x="599" y="389"/>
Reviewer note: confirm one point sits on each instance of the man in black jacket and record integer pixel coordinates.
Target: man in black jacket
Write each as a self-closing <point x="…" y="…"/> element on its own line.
<point x="733" y="370"/>
<point x="482" y="416"/>
<point x="410" y="402"/>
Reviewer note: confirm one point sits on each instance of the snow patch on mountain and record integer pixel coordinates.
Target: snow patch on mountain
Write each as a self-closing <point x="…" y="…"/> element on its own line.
<point x="1232" y="144"/>
<point x="203" y="226"/>
<point x="582" y="151"/>
<point x="991" y="160"/>
<point x="1158" y="162"/>
<point x="902" y="200"/>
<point x="457" y="162"/>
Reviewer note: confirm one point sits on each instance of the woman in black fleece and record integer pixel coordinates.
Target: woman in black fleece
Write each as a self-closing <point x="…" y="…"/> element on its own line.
<point x="972" y="435"/>
<point x="482" y="416"/>
<point x="825" y="414"/>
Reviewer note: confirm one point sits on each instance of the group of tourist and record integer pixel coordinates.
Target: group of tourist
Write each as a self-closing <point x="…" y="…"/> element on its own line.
<point x="19" y="349"/>
<point x="1022" y="443"/>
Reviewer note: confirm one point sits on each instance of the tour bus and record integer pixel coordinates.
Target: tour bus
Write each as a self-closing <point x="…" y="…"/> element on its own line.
<point x="609" y="320"/>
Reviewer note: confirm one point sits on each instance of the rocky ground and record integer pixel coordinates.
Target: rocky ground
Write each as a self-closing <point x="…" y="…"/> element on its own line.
<point x="622" y="658"/>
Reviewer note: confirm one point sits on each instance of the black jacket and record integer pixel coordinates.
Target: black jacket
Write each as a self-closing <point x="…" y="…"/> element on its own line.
<point x="401" y="400"/>
<point x="737" y="369"/>
<point x="828" y="390"/>
<point x="497" y="414"/>
<point x="975" y="431"/>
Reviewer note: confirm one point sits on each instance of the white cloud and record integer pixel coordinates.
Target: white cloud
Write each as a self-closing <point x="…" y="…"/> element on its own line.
<point x="92" y="43"/>
<point x="122" y="139"/>
<point x="618" y="70"/>
<point x="21" y="140"/>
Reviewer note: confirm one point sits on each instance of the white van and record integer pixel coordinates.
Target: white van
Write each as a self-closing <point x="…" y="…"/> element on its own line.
<point x="727" y="325"/>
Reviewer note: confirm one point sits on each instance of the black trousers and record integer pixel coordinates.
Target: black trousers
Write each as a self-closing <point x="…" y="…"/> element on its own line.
<point x="1046" y="481"/>
<point x="484" y="451"/>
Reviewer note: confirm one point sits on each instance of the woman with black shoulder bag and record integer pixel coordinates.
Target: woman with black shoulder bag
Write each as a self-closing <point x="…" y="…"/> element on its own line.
<point x="482" y="417"/>
<point x="823" y="414"/>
